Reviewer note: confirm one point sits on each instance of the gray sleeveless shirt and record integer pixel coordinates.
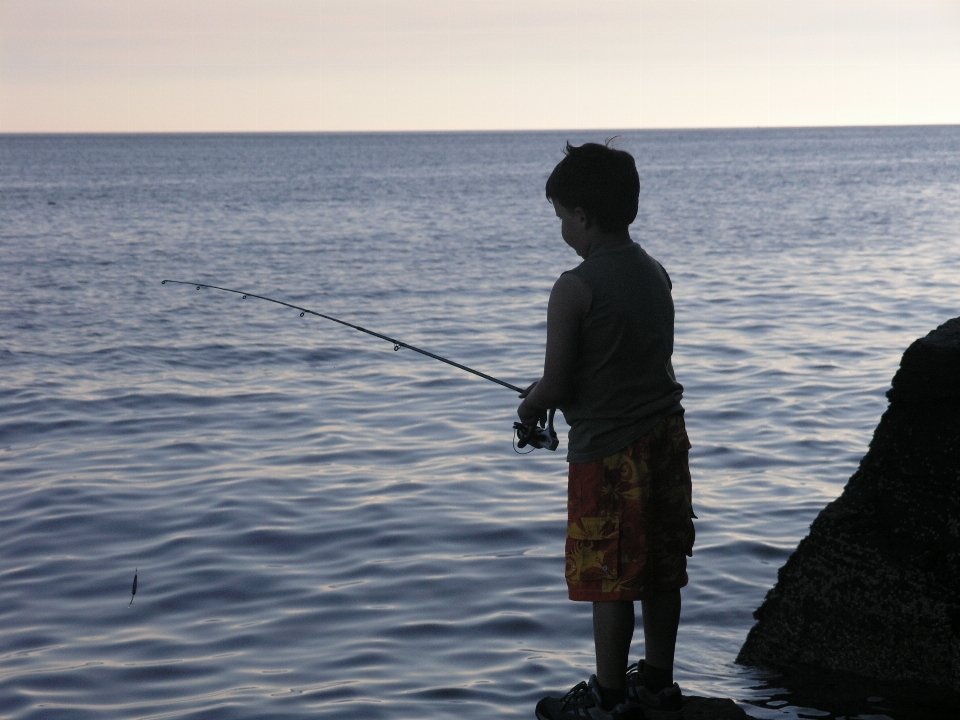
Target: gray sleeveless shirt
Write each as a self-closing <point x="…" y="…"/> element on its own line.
<point x="623" y="381"/>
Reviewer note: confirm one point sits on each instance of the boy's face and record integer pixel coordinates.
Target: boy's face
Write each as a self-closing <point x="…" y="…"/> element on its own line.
<point x="573" y="226"/>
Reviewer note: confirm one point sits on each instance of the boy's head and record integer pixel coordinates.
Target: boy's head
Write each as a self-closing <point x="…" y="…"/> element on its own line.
<point x="601" y="181"/>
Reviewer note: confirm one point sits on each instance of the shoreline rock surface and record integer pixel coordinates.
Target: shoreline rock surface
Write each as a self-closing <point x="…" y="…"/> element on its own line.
<point x="874" y="589"/>
<point x="705" y="708"/>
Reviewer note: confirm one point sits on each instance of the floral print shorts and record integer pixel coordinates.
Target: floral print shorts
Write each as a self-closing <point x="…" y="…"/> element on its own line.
<point x="630" y="518"/>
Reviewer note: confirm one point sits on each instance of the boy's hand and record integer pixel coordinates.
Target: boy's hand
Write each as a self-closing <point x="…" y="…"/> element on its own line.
<point x="529" y="413"/>
<point x="530" y="387"/>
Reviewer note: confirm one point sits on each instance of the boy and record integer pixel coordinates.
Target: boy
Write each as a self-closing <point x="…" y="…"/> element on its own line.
<point x="608" y="368"/>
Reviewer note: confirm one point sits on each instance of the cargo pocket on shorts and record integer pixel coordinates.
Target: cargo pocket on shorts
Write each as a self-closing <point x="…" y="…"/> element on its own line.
<point x="593" y="549"/>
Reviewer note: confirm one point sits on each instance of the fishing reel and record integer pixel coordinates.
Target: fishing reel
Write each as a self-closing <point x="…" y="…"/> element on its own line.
<point x="536" y="436"/>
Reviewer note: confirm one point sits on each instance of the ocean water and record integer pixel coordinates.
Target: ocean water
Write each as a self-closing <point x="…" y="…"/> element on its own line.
<point x="325" y="528"/>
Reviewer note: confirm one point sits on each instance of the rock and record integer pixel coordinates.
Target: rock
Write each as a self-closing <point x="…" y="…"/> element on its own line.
<point x="874" y="589"/>
<point x="813" y="692"/>
<point x="930" y="368"/>
<point x="703" y="708"/>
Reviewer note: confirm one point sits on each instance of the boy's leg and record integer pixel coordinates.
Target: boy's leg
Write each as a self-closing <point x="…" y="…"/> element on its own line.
<point x="671" y="539"/>
<point x="661" y="617"/>
<point x="613" y="623"/>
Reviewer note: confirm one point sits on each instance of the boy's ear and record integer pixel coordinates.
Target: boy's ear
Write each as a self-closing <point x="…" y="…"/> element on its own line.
<point x="585" y="220"/>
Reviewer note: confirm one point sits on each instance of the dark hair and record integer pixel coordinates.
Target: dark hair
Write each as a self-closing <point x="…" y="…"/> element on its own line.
<point x="603" y="182"/>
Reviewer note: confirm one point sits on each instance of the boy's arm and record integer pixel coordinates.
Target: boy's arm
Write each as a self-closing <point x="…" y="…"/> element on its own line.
<point x="569" y="303"/>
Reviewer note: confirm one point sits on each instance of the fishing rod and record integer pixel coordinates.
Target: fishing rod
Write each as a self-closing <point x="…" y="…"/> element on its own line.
<point x="534" y="436"/>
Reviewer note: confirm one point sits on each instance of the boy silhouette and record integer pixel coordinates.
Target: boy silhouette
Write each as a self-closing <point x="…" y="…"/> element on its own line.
<point x="607" y="367"/>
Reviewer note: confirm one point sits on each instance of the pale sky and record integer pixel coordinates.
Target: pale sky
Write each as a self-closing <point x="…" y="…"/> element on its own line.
<point x="328" y="65"/>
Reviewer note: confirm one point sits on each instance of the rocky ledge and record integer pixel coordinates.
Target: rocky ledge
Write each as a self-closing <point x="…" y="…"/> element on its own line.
<point x="703" y="708"/>
<point x="874" y="589"/>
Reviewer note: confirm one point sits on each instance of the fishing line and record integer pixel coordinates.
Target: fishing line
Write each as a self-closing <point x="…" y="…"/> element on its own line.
<point x="133" y="591"/>
<point x="534" y="436"/>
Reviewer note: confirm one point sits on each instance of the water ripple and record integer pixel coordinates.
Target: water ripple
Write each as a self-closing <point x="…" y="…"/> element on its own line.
<point x="323" y="527"/>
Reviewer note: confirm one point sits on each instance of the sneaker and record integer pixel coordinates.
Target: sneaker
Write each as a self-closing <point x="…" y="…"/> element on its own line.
<point x="664" y="705"/>
<point x="582" y="702"/>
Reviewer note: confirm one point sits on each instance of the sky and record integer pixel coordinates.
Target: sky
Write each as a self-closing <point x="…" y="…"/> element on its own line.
<point x="403" y="65"/>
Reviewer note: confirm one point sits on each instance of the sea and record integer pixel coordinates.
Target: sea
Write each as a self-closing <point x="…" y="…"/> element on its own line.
<point x="322" y="526"/>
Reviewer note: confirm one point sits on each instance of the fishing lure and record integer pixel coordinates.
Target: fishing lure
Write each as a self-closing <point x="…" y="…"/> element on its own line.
<point x="532" y="435"/>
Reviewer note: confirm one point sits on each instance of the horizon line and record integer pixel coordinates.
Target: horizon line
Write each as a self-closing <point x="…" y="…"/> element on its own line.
<point x="472" y="131"/>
